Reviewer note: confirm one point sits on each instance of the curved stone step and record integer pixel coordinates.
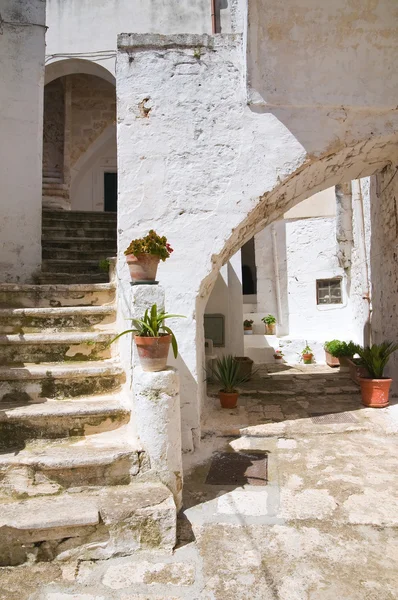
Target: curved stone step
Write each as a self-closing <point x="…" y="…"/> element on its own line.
<point x="61" y="254"/>
<point x="81" y="245"/>
<point x="72" y="278"/>
<point x="32" y="383"/>
<point x="71" y="215"/>
<point x="53" y="419"/>
<point x="96" y="525"/>
<point x="107" y="458"/>
<point x="92" y="232"/>
<point x="56" y="295"/>
<point x="79" y="223"/>
<point x="34" y="320"/>
<point x="72" y="266"/>
<point x="55" y="347"/>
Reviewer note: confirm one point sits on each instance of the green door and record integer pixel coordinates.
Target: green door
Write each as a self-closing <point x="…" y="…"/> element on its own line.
<point x="110" y="192"/>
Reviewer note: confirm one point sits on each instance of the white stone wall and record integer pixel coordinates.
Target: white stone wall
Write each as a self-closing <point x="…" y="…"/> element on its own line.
<point x="384" y="262"/>
<point x="21" y="114"/>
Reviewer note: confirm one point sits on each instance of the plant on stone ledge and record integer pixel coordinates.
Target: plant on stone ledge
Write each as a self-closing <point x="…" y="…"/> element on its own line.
<point x="143" y="256"/>
<point x="338" y="349"/>
<point x="227" y="373"/>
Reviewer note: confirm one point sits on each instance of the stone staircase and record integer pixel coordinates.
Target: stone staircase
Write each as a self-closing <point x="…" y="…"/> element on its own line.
<point x="55" y="192"/>
<point x="75" y="246"/>
<point x="74" y="480"/>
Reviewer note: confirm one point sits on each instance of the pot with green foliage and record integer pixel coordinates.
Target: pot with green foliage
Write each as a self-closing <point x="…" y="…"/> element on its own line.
<point x="307" y="355"/>
<point x="143" y="256"/>
<point x="227" y="373"/>
<point x="153" y="339"/>
<point x="375" y="389"/>
<point x="337" y="353"/>
<point x="248" y="327"/>
<point x="270" y="324"/>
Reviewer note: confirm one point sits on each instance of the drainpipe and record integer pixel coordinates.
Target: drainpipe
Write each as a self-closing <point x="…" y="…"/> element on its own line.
<point x="357" y="203"/>
<point x="277" y="278"/>
<point x="213" y="16"/>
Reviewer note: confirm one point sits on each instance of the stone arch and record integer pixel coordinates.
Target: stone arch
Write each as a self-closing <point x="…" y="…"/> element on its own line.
<point x="71" y="66"/>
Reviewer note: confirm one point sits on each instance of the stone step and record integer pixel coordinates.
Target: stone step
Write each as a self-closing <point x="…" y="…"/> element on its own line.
<point x="67" y="215"/>
<point x="72" y="278"/>
<point x="33" y="383"/>
<point x="101" y="459"/>
<point x="57" y="295"/>
<point x="55" y="347"/>
<point x="116" y="521"/>
<point x="52" y="179"/>
<point x="99" y="253"/>
<point x="35" y="320"/>
<point x="71" y="224"/>
<point x="81" y="244"/>
<point x="55" y="190"/>
<point x="53" y="419"/>
<point x="70" y="266"/>
<point x="55" y="233"/>
<point x="57" y="185"/>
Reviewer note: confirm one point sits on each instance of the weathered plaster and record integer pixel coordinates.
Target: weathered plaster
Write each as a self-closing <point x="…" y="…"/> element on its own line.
<point x="21" y="113"/>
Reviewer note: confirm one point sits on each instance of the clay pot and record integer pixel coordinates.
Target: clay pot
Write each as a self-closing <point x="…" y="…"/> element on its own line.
<point x="245" y="365"/>
<point x="248" y="330"/>
<point x="228" y="399"/>
<point x="331" y="361"/>
<point x="375" y="392"/>
<point x="270" y="329"/>
<point x="143" y="267"/>
<point x="153" y="351"/>
<point x="307" y="358"/>
<point x="356" y="371"/>
<point x="278" y="357"/>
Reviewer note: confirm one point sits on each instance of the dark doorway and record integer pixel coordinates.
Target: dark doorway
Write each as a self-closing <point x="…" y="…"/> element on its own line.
<point x="110" y="192"/>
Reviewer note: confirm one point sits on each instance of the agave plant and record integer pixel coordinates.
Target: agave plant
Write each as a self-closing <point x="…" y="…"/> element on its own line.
<point x="227" y="373"/>
<point x="376" y="357"/>
<point x="152" y="325"/>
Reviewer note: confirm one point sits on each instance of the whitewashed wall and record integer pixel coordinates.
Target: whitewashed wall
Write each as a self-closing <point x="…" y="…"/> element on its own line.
<point x="21" y="113"/>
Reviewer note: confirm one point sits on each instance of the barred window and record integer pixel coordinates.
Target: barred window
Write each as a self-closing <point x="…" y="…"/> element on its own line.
<point x="328" y="291"/>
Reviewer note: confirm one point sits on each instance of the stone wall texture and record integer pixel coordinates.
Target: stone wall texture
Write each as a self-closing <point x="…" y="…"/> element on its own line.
<point x="53" y="126"/>
<point x="384" y="262"/>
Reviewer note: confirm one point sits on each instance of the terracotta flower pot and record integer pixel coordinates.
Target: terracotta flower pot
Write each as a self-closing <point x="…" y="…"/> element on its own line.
<point x="153" y="351"/>
<point x="270" y="329"/>
<point x="228" y="399"/>
<point x="248" y="330"/>
<point x="375" y="392"/>
<point x="245" y="365"/>
<point x="142" y="267"/>
<point x="278" y="357"/>
<point x="307" y="358"/>
<point x="356" y="370"/>
<point x="331" y="361"/>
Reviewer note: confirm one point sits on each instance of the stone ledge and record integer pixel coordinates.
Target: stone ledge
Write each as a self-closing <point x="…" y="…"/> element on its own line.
<point x="148" y="41"/>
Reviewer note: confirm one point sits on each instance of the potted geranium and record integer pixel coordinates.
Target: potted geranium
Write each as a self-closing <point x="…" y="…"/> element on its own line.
<point x="153" y="339"/>
<point x="278" y="355"/>
<point x="375" y="389"/>
<point x="307" y="355"/>
<point x="248" y="327"/>
<point x="227" y="373"/>
<point x="270" y="322"/>
<point x="143" y="256"/>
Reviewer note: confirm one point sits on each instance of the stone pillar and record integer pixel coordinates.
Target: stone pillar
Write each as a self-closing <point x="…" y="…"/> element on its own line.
<point x="22" y="30"/>
<point x="157" y="405"/>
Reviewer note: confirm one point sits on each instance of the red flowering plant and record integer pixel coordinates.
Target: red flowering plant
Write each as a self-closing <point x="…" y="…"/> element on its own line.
<point x="150" y="244"/>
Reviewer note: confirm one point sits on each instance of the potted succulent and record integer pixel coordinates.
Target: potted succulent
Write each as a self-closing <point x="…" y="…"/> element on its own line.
<point x="245" y="365"/>
<point x="375" y="388"/>
<point x="143" y="256"/>
<point x="278" y="355"/>
<point x="248" y="327"/>
<point x="227" y="373"/>
<point x="307" y="355"/>
<point x="337" y="353"/>
<point x="270" y="322"/>
<point x="153" y="339"/>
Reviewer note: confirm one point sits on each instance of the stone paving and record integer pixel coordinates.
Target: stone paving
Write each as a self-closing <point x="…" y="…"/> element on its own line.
<point x="325" y="527"/>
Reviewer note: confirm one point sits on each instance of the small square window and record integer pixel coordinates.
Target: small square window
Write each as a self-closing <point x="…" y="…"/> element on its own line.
<point x="328" y="291"/>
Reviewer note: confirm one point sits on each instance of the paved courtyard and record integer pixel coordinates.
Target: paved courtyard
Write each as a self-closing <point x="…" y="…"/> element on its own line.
<point x="320" y="523"/>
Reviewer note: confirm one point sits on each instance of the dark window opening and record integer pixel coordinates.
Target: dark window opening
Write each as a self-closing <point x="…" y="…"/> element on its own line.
<point x="110" y="192"/>
<point x="328" y="291"/>
<point x="249" y="272"/>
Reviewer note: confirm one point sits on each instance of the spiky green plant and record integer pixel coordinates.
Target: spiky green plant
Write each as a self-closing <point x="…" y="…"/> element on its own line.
<point x="226" y="372"/>
<point x="376" y="357"/>
<point x="152" y="325"/>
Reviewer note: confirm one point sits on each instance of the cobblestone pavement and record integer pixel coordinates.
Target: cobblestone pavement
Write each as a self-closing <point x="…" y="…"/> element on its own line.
<point x="325" y="527"/>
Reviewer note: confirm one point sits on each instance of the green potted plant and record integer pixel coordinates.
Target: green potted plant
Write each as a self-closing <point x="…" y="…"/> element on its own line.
<point x="375" y="389"/>
<point x="270" y="323"/>
<point x="227" y="373"/>
<point x="307" y="355"/>
<point x="278" y="355"/>
<point x="248" y="327"/>
<point x="143" y="256"/>
<point x="337" y="353"/>
<point x="153" y="339"/>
